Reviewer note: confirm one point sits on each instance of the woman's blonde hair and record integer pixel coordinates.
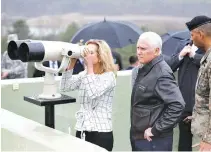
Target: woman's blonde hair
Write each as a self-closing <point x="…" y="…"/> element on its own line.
<point x="104" y="54"/>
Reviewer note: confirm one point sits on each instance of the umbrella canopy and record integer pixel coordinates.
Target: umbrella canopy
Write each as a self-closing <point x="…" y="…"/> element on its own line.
<point x="116" y="33"/>
<point x="172" y="39"/>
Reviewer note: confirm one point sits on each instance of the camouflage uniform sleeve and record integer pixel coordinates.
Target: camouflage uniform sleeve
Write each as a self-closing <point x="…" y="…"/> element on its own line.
<point x="207" y="136"/>
<point x="3" y="61"/>
<point x="19" y="69"/>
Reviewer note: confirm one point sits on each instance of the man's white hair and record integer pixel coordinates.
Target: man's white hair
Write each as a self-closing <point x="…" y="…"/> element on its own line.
<point x="153" y="39"/>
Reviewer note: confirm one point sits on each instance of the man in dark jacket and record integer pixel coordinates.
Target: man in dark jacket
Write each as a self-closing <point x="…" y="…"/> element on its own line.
<point x="187" y="61"/>
<point x="156" y="101"/>
<point x="133" y="60"/>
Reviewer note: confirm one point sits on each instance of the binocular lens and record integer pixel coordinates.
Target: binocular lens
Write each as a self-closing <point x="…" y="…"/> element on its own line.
<point x="31" y="52"/>
<point x="13" y="50"/>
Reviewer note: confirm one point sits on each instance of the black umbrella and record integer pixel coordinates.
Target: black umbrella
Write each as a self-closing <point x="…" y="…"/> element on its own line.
<point x="172" y="39"/>
<point x="116" y="33"/>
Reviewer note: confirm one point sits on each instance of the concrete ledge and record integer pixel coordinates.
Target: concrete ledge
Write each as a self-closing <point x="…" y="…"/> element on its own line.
<point x="52" y="139"/>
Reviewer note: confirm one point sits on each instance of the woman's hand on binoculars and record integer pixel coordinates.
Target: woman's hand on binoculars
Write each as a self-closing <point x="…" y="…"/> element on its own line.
<point x="88" y="59"/>
<point x="71" y="64"/>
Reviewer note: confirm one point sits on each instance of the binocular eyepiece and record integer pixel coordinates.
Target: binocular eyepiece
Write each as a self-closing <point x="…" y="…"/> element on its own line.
<point x="38" y="51"/>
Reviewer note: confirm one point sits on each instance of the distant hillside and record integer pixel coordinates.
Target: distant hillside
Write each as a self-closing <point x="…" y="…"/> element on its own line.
<point x="34" y="8"/>
<point x="56" y="15"/>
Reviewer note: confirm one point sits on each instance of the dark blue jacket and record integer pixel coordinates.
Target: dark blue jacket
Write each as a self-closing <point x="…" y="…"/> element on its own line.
<point x="187" y="74"/>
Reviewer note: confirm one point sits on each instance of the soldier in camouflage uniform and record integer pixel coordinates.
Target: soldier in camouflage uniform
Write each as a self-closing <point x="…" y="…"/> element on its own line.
<point x="200" y="28"/>
<point x="12" y="69"/>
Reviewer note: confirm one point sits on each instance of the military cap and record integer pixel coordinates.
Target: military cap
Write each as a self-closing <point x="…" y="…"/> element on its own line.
<point x="198" y="21"/>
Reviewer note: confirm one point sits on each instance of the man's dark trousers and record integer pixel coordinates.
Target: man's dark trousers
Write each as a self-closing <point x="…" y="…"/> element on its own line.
<point x="157" y="144"/>
<point x="185" y="137"/>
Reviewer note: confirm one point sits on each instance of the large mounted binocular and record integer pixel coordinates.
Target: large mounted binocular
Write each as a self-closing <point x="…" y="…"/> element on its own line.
<point x="40" y="51"/>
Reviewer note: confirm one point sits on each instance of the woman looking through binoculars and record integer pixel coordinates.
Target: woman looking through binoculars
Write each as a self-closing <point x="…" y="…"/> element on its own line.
<point x="96" y="85"/>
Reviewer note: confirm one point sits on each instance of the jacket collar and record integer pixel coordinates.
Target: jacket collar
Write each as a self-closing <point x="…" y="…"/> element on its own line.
<point x="147" y="67"/>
